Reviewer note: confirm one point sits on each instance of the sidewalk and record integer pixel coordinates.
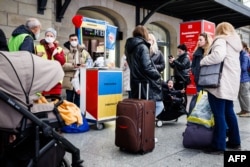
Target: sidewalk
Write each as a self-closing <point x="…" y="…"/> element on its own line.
<point x="98" y="149"/>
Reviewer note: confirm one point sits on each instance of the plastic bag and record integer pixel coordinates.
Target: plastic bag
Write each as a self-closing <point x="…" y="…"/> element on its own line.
<point x="74" y="128"/>
<point x="201" y="113"/>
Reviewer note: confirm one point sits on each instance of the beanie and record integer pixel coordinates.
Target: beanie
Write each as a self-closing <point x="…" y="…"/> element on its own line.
<point x="182" y="47"/>
<point x="52" y="30"/>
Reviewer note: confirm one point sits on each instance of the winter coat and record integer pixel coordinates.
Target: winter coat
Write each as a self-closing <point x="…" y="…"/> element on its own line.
<point x="195" y="66"/>
<point x="158" y="61"/>
<point x="182" y="64"/>
<point x="68" y="67"/>
<point x="227" y="49"/>
<point x="244" y="76"/>
<point x="28" y="43"/>
<point x="142" y="69"/>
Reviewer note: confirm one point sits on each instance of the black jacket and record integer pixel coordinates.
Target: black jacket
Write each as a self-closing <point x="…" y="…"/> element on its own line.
<point x="3" y="41"/>
<point x="142" y="69"/>
<point x="182" y="64"/>
<point x="195" y="67"/>
<point x="158" y="61"/>
<point x="28" y="43"/>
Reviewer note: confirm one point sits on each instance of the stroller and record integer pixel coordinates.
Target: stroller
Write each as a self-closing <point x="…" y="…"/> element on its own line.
<point x="28" y="136"/>
<point x="173" y="107"/>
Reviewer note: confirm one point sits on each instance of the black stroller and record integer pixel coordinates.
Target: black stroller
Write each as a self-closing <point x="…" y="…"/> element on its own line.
<point x="174" y="105"/>
<point x="28" y="135"/>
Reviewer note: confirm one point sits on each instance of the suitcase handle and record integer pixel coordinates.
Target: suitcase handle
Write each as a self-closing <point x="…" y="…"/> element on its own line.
<point x="140" y="91"/>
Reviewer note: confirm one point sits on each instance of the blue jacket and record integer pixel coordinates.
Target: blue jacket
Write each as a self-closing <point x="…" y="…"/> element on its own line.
<point x="244" y="76"/>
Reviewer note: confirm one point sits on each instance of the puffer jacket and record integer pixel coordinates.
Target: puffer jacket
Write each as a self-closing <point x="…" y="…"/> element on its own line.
<point x="195" y="66"/>
<point x="227" y="49"/>
<point x="142" y="70"/>
<point x="182" y="64"/>
<point x="68" y="67"/>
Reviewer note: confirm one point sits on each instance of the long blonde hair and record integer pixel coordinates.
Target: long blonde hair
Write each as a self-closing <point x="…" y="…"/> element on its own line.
<point x="224" y="28"/>
<point x="208" y="41"/>
<point x="154" y="47"/>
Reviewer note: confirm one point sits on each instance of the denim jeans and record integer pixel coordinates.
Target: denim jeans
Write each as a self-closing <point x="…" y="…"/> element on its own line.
<point x="73" y="97"/>
<point x="159" y="108"/>
<point x="225" y="118"/>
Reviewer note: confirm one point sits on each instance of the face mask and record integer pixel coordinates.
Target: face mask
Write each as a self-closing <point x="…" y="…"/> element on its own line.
<point x="49" y="39"/>
<point x="74" y="43"/>
<point x="37" y="35"/>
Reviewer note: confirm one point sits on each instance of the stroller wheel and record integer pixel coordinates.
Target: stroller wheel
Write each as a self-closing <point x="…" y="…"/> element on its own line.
<point x="159" y="123"/>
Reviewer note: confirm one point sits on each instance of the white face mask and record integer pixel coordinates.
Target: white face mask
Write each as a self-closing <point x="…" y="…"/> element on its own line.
<point x="37" y="35"/>
<point x="74" y="43"/>
<point x="49" y="39"/>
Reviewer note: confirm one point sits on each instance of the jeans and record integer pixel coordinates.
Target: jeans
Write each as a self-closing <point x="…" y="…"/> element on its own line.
<point x="159" y="107"/>
<point x="73" y="97"/>
<point x="225" y="118"/>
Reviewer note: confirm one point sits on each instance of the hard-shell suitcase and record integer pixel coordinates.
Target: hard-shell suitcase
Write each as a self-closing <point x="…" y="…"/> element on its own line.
<point x="135" y="124"/>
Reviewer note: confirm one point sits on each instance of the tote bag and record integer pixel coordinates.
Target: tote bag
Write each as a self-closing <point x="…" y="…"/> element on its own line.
<point x="210" y="75"/>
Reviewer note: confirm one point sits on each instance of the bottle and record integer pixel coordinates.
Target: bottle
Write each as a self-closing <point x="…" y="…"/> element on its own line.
<point x="89" y="62"/>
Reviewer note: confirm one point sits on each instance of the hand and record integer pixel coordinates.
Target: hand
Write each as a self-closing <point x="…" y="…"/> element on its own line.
<point x="171" y="60"/>
<point x="78" y="92"/>
<point x="40" y="54"/>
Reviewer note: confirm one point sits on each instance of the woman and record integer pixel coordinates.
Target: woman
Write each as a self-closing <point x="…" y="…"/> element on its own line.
<point x="226" y="47"/>
<point x="181" y="67"/>
<point x="142" y="69"/>
<point x="203" y="44"/>
<point x="156" y="54"/>
<point x="126" y="75"/>
<point x="49" y="49"/>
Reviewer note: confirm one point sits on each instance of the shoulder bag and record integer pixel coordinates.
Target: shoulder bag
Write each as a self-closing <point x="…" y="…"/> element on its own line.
<point x="210" y="75"/>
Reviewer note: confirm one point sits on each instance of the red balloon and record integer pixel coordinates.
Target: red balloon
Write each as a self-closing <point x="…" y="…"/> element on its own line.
<point x="77" y="20"/>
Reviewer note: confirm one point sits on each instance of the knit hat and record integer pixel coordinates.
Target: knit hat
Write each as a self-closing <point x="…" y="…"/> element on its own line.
<point x="182" y="47"/>
<point x="52" y="30"/>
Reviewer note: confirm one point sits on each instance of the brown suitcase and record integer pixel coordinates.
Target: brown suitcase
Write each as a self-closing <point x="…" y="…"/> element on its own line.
<point x="135" y="125"/>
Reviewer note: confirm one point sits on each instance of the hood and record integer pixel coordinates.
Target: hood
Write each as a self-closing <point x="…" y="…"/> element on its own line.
<point x="233" y="40"/>
<point x="67" y="45"/>
<point x="22" y="30"/>
<point x="133" y="42"/>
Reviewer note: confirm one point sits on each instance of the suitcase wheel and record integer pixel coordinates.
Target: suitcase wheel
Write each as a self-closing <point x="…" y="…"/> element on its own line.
<point x="100" y="126"/>
<point x="159" y="123"/>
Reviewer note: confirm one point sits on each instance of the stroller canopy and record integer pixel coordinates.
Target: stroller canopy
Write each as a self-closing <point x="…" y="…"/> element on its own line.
<point x="23" y="75"/>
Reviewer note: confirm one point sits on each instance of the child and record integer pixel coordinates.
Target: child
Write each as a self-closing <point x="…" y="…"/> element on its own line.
<point x="173" y="99"/>
<point x="170" y="94"/>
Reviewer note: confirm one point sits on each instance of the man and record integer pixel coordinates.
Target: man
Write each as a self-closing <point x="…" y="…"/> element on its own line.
<point x="76" y="56"/>
<point x="23" y="36"/>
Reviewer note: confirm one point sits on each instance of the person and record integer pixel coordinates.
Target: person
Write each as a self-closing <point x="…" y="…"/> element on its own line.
<point x="126" y="75"/>
<point x="203" y="44"/>
<point x="171" y="94"/>
<point x="3" y="41"/>
<point x="24" y="35"/>
<point x="76" y="56"/>
<point x="156" y="54"/>
<point x="225" y="48"/>
<point x="142" y="69"/>
<point x="244" y="93"/>
<point x="181" y="67"/>
<point x="50" y="50"/>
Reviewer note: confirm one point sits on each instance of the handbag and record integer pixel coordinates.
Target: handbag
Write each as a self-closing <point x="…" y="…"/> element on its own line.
<point x="186" y="79"/>
<point x="210" y="75"/>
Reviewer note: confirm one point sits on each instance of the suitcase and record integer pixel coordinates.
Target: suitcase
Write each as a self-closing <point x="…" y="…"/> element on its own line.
<point x="135" y="124"/>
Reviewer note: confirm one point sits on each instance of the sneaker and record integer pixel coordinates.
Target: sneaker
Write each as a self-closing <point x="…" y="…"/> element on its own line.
<point x="156" y="140"/>
<point x="213" y="151"/>
<point x="247" y="114"/>
<point x="233" y="146"/>
<point x="241" y="112"/>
